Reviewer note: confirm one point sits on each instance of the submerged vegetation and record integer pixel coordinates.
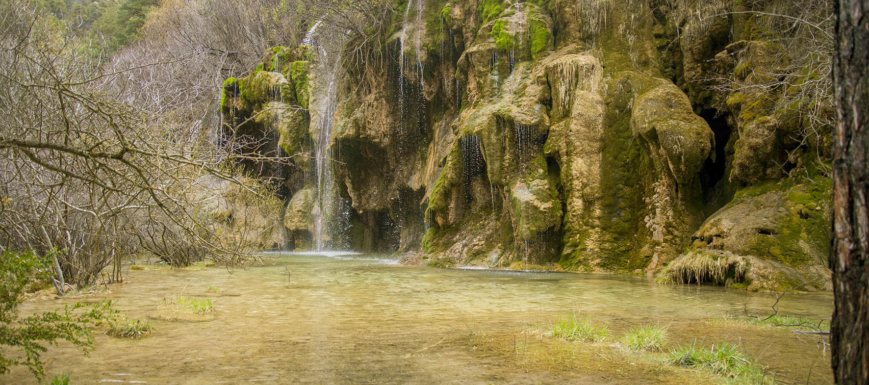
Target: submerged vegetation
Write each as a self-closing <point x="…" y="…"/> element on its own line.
<point x="532" y="350"/>
<point x="174" y="307"/>
<point x="776" y="321"/>
<point x="574" y="329"/>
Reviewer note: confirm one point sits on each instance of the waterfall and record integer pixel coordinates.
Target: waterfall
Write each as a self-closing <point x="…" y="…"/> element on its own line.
<point x="309" y="37"/>
<point x="526" y="142"/>
<point x="331" y="214"/>
<point x="458" y="94"/>
<point x="519" y="22"/>
<point x="411" y="97"/>
<point x="325" y="182"/>
<point x="412" y="32"/>
<point x="473" y="162"/>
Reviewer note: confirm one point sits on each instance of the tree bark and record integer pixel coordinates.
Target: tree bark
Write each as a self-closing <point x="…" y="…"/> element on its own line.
<point x="849" y="332"/>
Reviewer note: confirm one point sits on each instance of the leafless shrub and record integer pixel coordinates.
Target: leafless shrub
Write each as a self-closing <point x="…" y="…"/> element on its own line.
<point x="94" y="161"/>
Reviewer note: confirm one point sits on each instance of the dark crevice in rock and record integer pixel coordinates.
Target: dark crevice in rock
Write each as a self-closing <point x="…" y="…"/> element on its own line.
<point x="713" y="175"/>
<point x="766" y="232"/>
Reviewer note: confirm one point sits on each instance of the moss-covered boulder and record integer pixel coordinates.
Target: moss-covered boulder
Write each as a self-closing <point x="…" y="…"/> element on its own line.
<point x="299" y="210"/>
<point x="664" y="118"/>
<point x="773" y="236"/>
<point x="536" y="202"/>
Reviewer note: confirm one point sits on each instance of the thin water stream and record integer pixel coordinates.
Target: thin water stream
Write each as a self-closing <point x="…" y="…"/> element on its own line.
<point x="344" y="318"/>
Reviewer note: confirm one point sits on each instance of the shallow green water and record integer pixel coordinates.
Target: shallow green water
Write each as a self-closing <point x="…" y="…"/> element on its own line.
<point x="363" y="319"/>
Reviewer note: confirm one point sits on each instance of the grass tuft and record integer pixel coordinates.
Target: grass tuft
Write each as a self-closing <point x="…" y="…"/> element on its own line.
<point x="723" y="359"/>
<point x="648" y="337"/>
<point x="128" y="328"/>
<point x="172" y="307"/>
<point x="570" y="328"/>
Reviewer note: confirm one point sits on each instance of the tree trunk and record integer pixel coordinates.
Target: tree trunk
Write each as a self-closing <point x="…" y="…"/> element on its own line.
<point x="848" y="256"/>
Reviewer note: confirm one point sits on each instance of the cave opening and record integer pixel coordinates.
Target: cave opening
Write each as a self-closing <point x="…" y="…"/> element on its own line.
<point x="713" y="176"/>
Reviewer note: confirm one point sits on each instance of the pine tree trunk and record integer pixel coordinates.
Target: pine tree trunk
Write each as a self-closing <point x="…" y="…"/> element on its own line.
<point x="848" y="256"/>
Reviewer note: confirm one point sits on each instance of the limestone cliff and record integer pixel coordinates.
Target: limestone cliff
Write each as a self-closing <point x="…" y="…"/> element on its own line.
<point x="593" y="135"/>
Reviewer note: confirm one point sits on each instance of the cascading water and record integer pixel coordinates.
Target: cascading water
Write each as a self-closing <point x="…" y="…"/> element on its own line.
<point x="525" y="145"/>
<point x="309" y="37"/>
<point x="518" y="22"/>
<point x="411" y="82"/>
<point x="473" y="162"/>
<point x="331" y="215"/>
<point x="411" y="97"/>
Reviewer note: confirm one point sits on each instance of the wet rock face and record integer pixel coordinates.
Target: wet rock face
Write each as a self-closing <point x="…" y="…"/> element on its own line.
<point x="594" y="136"/>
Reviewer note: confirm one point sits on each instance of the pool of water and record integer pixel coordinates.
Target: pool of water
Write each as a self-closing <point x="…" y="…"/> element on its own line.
<point x="352" y="318"/>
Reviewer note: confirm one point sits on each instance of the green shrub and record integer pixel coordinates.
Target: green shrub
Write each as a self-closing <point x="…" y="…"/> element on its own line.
<point x="19" y="271"/>
<point x="648" y="337"/>
<point x="571" y="328"/>
<point x="61" y="380"/>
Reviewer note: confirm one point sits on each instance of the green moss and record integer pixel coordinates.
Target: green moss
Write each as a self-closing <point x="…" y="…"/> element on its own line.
<point x="758" y="190"/>
<point x="490" y="9"/>
<point x="427" y="239"/>
<point x="503" y="39"/>
<point x="442" y="263"/>
<point x="445" y="14"/>
<point x="540" y="37"/>
<point x="622" y="193"/>
<point x="281" y="57"/>
<point x="299" y="73"/>
<point x="805" y="224"/>
<point x="438" y="199"/>
<point x="228" y="90"/>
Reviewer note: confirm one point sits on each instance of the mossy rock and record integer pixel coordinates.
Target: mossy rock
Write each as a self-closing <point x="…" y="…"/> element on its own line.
<point x="784" y="224"/>
<point x="299" y="72"/>
<point x="278" y="59"/>
<point x="262" y="87"/>
<point x="664" y="118"/>
<point x="298" y="216"/>
<point x="536" y="202"/>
